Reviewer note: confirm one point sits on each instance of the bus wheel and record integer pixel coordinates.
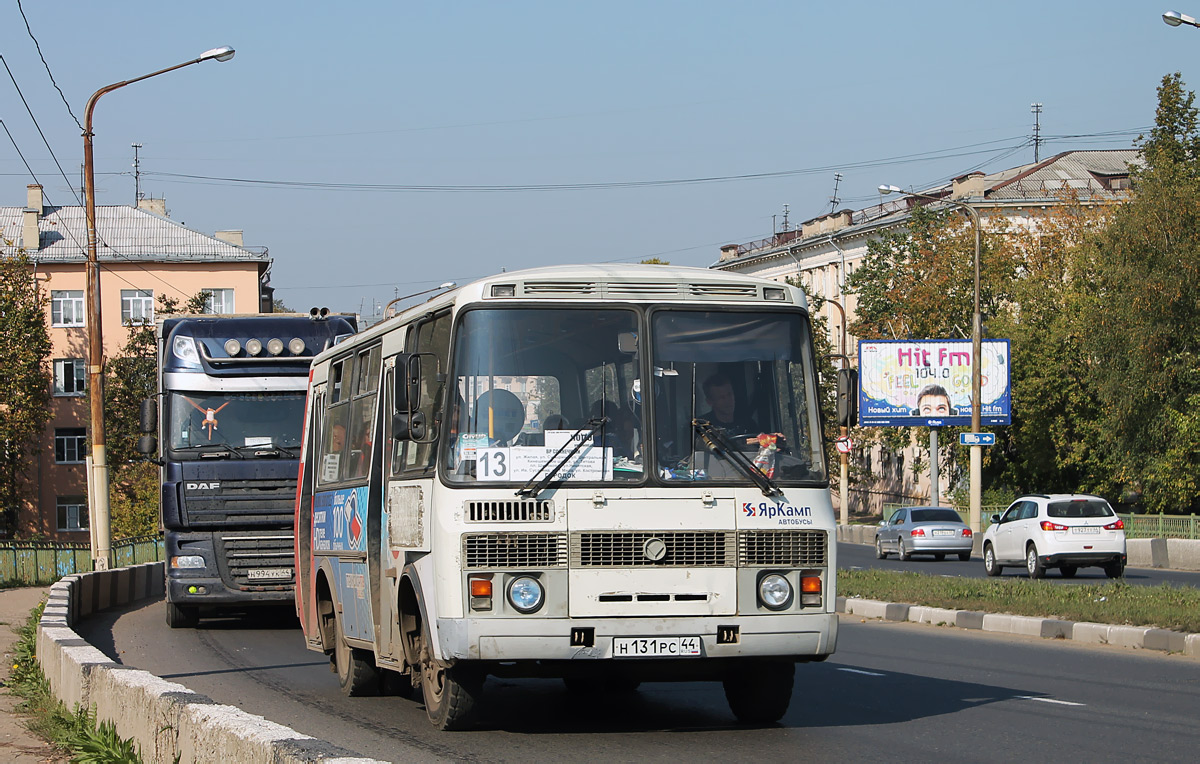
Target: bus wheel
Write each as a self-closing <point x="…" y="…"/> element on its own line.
<point x="760" y="691"/>
<point x="355" y="669"/>
<point x="449" y="692"/>
<point x="182" y="617"/>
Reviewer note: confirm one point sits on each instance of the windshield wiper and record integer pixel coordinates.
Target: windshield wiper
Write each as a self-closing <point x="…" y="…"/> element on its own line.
<point x="718" y="442"/>
<point x="211" y="454"/>
<point x="535" y="486"/>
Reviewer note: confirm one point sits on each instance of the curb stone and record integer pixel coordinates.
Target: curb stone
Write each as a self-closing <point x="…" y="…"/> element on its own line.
<point x="1136" y="637"/>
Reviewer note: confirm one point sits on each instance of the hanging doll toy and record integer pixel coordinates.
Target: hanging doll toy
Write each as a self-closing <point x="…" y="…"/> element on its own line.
<point x="768" y="444"/>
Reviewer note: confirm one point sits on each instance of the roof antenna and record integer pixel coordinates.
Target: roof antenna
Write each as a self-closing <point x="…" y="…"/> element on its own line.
<point x="834" y="201"/>
<point x="137" y="176"/>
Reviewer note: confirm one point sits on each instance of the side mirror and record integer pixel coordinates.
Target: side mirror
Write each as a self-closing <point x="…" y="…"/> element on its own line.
<point x="409" y="427"/>
<point x="407" y="393"/>
<point x="148" y="419"/>
<point x="847" y="397"/>
<point x="996" y="519"/>
<point x="147" y="445"/>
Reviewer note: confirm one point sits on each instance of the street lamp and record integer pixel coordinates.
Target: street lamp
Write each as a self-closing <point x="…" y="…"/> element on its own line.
<point x="446" y="285"/>
<point x="1175" y="18"/>
<point x="98" y="510"/>
<point x="976" y="357"/>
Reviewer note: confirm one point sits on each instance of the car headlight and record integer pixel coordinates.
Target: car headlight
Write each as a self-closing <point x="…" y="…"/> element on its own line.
<point x="526" y="594"/>
<point x="774" y="592"/>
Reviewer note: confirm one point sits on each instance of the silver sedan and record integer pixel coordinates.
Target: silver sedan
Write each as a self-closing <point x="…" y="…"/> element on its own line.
<point x="938" y="531"/>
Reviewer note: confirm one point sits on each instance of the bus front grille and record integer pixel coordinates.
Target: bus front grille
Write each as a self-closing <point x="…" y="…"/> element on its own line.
<point x="514" y="550"/>
<point x="510" y="511"/>
<point x="669" y="549"/>
<point x="794" y="549"/>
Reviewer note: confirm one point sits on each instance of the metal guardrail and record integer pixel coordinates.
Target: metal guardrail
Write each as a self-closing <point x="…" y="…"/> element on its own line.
<point x="1136" y="526"/>
<point x="41" y="563"/>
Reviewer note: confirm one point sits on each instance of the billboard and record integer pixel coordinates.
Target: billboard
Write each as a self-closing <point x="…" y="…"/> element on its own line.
<point x="910" y="383"/>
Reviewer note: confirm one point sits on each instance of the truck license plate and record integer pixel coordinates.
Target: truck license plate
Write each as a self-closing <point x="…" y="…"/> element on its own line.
<point x="269" y="574"/>
<point x="655" y="647"/>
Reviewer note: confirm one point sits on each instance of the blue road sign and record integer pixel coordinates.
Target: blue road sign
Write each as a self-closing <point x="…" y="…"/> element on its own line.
<point x="977" y="438"/>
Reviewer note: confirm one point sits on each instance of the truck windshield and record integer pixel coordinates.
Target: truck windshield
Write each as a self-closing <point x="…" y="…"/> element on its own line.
<point x="199" y="420"/>
<point x="530" y="383"/>
<point x="749" y="375"/>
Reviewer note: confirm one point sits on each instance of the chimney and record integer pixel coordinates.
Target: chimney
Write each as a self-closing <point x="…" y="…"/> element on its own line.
<point x="230" y="237"/>
<point x="34" y="197"/>
<point x="156" y="206"/>
<point x="31" y="238"/>
<point x="729" y="252"/>
<point x="971" y="184"/>
<point x="828" y="223"/>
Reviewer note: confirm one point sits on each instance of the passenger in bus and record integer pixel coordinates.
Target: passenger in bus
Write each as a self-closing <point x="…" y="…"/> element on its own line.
<point x="724" y="410"/>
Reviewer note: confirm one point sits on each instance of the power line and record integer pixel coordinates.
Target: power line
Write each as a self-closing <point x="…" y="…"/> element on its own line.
<point x="48" y="72"/>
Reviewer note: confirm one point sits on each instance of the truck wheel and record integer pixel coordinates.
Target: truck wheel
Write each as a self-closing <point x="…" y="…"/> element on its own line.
<point x="449" y="692"/>
<point x="355" y="668"/>
<point x="182" y="617"/>
<point x="760" y="691"/>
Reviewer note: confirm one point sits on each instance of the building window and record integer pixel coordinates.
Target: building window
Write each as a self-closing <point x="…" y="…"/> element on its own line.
<point x="137" y="306"/>
<point x="219" y="301"/>
<point x="70" y="376"/>
<point x="70" y="445"/>
<point x="72" y="513"/>
<point x="66" y="307"/>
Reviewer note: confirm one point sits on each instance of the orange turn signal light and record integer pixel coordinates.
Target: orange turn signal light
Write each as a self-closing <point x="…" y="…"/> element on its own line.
<point x="810" y="584"/>
<point x="481" y="587"/>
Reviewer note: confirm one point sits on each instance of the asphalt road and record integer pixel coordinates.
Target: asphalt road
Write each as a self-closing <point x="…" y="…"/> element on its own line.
<point x="863" y="556"/>
<point x="906" y="692"/>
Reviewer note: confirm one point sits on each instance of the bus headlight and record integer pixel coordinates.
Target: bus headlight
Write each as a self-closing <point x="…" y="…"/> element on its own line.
<point x="774" y="592"/>
<point x="526" y="594"/>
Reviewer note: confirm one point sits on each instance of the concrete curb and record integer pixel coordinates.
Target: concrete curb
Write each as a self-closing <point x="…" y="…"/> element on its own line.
<point x="1137" y="637"/>
<point x="166" y="720"/>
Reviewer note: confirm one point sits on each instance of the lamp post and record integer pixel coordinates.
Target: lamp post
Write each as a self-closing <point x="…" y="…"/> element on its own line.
<point x="98" y="509"/>
<point x="446" y="285"/>
<point x="1175" y="18"/>
<point x="976" y="357"/>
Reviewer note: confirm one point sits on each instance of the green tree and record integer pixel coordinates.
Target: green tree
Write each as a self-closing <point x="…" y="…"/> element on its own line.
<point x="24" y="388"/>
<point x="130" y="378"/>
<point x="1143" y="315"/>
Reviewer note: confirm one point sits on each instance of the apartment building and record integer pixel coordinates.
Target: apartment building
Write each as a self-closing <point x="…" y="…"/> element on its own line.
<point x="142" y="254"/>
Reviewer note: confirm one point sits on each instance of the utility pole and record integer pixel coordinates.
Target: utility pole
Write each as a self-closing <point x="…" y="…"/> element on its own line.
<point x="1036" y="108"/>
<point x="137" y="176"/>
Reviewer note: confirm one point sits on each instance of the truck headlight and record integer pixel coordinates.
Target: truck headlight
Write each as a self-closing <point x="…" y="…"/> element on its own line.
<point x="526" y="594"/>
<point x="187" y="561"/>
<point x="774" y="591"/>
<point x="184" y="349"/>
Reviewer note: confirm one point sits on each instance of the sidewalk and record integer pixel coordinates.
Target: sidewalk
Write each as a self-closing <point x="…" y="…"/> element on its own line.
<point x="17" y="744"/>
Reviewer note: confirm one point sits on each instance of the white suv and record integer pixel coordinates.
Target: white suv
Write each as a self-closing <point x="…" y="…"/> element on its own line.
<point x="1067" y="531"/>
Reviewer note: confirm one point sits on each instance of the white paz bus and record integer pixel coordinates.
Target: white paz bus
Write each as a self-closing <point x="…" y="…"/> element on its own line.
<point x="607" y="474"/>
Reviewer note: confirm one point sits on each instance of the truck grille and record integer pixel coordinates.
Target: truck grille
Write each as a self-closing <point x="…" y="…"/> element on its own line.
<point x="244" y="553"/>
<point x="625" y="549"/>
<point x="268" y="501"/>
<point x="510" y="511"/>
<point x="793" y="549"/>
<point x="514" y="550"/>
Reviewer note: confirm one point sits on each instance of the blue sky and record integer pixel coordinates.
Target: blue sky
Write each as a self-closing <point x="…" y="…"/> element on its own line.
<point x="403" y="112"/>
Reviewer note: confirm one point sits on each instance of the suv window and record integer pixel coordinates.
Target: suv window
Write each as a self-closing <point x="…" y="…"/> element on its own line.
<point x="1079" y="508"/>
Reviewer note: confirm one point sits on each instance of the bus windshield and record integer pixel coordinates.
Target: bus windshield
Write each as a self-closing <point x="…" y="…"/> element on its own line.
<point x="743" y="379"/>
<point x="234" y="420"/>
<point x="565" y="395"/>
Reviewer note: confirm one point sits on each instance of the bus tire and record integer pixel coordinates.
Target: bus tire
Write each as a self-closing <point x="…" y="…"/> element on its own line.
<point x="182" y="617"/>
<point x="449" y="692"/>
<point x="355" y="668"/>
<point x="760" y="691"/>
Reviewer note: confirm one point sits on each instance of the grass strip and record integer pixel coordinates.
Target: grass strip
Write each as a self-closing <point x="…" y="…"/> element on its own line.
<point x="50" y="719"/>
<point x="1112" y="602"/>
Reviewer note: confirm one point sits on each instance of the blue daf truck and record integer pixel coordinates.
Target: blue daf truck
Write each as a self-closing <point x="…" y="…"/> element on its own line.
<point x="229" y="414"/>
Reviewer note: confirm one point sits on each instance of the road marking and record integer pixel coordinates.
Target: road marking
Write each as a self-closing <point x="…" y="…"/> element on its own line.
<point x="1051" y="700"/>
<point x="860" y="671"/>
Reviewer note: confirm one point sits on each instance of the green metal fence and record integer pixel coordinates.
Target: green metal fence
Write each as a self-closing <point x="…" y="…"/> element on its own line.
<point x="1136" y="526"/>
<point x="41" y="563"/>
